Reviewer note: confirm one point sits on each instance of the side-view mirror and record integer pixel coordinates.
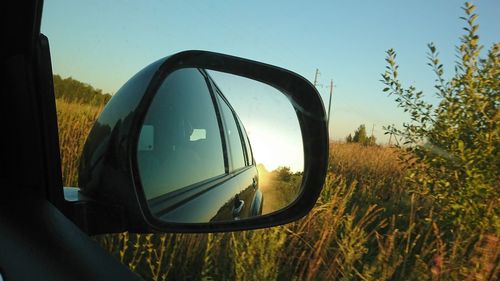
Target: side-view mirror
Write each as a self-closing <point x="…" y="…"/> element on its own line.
<point x="203" y="142"/>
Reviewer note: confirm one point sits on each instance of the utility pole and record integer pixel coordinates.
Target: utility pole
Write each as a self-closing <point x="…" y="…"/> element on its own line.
<point x="330" y="102"/>
<point x="316" y="75"/>
<point x="316" y="85"/>
<point x="390" y="138"/>
<point x="373" y="127"/>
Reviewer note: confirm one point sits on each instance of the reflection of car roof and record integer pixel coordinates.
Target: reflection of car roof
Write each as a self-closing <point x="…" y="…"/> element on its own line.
<point x="221" y="94"/>
<point x="223" y="97"/>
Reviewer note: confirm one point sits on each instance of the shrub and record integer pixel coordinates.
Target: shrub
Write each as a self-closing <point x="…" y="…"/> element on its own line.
<point x="455" y="144"/>
<point x="361" y="137"/>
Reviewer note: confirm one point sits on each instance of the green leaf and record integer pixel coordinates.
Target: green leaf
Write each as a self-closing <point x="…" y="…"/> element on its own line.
<point x="461" y="146"/>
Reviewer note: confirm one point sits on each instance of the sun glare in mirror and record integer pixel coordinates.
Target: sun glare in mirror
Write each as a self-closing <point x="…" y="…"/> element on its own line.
<point x="274" y="134"/>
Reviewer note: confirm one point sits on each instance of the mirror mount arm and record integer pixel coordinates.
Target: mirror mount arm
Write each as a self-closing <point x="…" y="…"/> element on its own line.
<point x="95" y="218"/>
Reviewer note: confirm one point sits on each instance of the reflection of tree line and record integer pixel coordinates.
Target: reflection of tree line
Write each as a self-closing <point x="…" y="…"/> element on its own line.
<point x="287" y="183"/>
<point x="72" y="90"/>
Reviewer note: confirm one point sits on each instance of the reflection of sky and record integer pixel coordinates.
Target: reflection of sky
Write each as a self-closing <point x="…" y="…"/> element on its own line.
<point x="269" y="119"/>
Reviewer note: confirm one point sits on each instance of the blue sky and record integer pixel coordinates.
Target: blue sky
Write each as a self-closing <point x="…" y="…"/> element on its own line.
<point x="104" y="43"/>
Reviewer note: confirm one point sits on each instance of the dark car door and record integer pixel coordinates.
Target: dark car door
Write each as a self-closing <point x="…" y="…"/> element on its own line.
<point x="37" y="241"/>
<point x="192" y="157"/>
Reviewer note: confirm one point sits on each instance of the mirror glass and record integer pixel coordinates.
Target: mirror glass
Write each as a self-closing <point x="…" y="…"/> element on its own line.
<point x="218" y="147"/>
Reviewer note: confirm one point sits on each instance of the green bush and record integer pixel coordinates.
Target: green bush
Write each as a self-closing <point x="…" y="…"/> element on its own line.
<point x="452" y="148"/>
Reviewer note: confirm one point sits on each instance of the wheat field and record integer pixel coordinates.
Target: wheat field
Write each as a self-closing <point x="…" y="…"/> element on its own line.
<point x="366" y="225"/>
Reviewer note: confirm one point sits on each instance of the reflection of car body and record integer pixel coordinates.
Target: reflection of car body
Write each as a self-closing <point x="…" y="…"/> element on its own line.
<point x="194" y="156"/>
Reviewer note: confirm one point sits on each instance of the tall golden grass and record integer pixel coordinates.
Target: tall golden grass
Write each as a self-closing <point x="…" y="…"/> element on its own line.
<point x="366" y="225"/>
<point x="74" y="121"/>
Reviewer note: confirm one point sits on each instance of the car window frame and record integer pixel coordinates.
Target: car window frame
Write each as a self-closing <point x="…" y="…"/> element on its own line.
<point x="246" y="143"/>
<point x="221" y="99"/>
<point x="247" y="147"/>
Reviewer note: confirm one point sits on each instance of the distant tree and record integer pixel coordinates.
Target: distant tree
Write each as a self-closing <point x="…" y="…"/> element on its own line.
<point x="348" y="138"/>
<point x="283" y="174"/>
<point x="360" y="134"/>
<point x="361" y="137"/>
<point x="73" y="90"/>
<point x="371" y="140"/>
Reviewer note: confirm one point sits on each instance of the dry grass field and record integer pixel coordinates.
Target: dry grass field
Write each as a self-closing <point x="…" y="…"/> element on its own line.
<point x="366" y="225"/>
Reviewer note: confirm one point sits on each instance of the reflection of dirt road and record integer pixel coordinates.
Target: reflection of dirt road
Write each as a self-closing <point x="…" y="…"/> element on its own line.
<point x="279" y="188"/>
<point x="273" y="200"/>
<point x="271" y="196"/>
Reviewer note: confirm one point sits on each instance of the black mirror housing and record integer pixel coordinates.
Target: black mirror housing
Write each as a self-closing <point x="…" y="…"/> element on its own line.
<point x="108" y="173"/>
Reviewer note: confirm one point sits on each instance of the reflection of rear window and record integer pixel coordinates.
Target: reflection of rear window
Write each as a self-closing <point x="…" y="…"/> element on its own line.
<point x="198" y="134"/>
<point x="182" y="144"/>
<point x="146" y="139"/>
